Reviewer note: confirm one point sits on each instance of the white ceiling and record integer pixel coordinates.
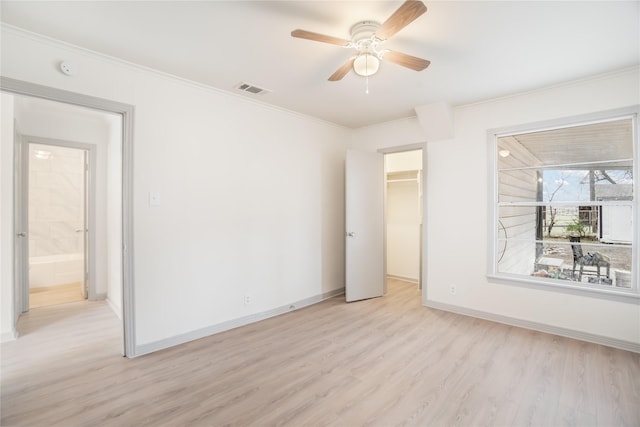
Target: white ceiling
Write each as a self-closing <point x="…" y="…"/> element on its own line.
<point x="478" y="50"/>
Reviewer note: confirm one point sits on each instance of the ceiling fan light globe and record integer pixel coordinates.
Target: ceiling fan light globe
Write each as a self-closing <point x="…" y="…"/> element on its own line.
<point x="366" y="64"/>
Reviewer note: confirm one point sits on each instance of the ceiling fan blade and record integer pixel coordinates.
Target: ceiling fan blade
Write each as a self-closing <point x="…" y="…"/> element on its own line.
<point x="342" y="71"/>
<point x="407" y="13"/>
<point x="303" y="34"/>
<point x="405" y="60"/>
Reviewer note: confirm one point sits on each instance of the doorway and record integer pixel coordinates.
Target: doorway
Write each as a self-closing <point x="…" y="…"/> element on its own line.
<point x="115" y="205"/>
<point x="62" y="211"/>
<point x="68" y="206"/>
<point x="403" y="216"/>
<point x="383" y="220"/>
<point x="58" y="194"/>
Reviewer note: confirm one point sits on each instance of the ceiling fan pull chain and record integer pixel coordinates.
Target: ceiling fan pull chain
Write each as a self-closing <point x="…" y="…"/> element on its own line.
<point x="366" y="61"/>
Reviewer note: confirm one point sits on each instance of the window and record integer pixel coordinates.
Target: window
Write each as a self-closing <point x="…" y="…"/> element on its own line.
<point x="565" y="204"/>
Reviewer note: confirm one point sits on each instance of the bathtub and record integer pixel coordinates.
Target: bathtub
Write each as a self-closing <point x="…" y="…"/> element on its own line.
<point x="53" y="270"/>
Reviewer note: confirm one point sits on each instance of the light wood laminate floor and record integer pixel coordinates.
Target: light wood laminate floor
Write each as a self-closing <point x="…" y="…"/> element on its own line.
<point x="54" y="295"/>
<point x="382" y="362"/>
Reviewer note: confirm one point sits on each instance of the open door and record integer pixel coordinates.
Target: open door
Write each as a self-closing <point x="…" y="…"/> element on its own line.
<point x="364" y="220"/>
<point x="21" y="223"/>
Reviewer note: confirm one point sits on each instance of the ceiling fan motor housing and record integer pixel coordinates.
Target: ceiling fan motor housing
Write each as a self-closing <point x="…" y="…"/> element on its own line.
<point x="363" y="40"/>
<point x="364" y="30"/>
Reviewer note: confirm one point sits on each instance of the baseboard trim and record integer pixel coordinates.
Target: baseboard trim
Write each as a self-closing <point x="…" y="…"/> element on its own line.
<point x="404" y="279"/>
<point x="98" y="297"/>
<point x="9" y="336"/>
<point x="540" y="327"/>
<point x="232" y="324"/>
<point x="117" y="310"/>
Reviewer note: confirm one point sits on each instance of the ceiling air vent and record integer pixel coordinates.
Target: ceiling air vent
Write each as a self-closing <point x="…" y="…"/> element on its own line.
<point x="246" y="87"/>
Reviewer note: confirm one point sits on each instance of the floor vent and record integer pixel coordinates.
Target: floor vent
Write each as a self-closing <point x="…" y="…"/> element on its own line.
<point x="246" y="87"/>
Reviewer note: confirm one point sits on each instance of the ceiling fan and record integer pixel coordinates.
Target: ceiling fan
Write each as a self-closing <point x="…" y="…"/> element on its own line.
<point x="366" y="39"/>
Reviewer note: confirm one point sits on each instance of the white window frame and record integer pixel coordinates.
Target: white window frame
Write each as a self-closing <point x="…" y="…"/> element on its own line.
<point x="628" y="295"/>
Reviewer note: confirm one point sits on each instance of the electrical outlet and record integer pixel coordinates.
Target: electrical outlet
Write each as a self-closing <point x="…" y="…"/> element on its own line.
<point x="247" y="299"/>
<point x="452" y="289"/>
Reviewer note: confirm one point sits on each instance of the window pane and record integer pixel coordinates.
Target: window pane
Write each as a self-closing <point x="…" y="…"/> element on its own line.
<point x="609" y="224"/>
<point x="565" y="204"/>
<point x="565" y="185"/>
<point x="598" y="142"/>
<point x="557" y="262"/>
<point x="543" y="241"/>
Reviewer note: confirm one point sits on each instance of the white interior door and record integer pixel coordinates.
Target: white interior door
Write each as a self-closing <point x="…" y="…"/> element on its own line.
<point x="21" y="219"/>
<point x="364" y="218"/>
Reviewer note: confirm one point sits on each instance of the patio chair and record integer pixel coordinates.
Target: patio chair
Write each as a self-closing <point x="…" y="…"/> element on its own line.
<point x="594" y="259"/>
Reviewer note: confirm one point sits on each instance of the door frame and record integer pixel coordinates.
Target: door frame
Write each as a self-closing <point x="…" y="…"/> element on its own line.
<point x="20" y="87"/>
<point x="22" y="211"/>
<point x="423" y="237"/>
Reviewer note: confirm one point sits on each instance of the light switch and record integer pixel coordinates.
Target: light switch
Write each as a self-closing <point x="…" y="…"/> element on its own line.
<point x="154" y="198"/>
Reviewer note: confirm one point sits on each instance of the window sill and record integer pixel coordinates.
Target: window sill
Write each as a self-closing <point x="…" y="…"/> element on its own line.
<point x="615" y="294"/>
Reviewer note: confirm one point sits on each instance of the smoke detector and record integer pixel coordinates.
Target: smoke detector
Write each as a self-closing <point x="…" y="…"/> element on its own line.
<point x="67" y="68"/>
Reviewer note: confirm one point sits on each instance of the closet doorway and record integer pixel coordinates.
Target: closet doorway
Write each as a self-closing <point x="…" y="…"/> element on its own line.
<point x="403" y="216"/>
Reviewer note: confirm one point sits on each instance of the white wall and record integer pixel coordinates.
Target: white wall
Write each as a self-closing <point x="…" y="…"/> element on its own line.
<point x="7" y="331"/>
<point x="403" y="161"/>
<point x="56" y="201"/>
<point x="251" y="196"/>
<point x="403" y="230"/>
<point x="456" y="175"/>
